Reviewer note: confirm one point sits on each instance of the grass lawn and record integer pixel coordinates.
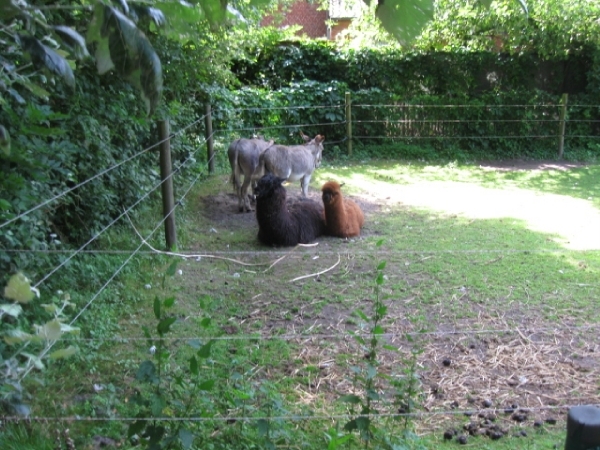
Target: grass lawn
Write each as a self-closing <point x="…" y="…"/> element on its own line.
<point x="490" y="293"/>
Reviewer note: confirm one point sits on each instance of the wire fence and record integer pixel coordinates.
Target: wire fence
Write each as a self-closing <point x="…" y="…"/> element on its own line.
<point x="370" y="122"/>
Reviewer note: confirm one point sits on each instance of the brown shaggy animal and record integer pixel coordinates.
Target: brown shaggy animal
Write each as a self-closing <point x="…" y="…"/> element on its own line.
<point x="343" y="217"/>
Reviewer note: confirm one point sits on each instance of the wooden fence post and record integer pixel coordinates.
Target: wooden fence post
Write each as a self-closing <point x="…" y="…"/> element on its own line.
<point x="210" y="153"/>
<point x="561" y="125"/>
<point x="166" y="169"/>
<point x="349" y="122"/>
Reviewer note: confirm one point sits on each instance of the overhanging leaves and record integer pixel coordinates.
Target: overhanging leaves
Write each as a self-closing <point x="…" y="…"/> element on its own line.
<point x="64" y="353"/>
<point x="140" y="12"/>
<point x="4" y="141"/>
<point x="215" y="11"/>
<point x="404" y="19"/>
<point x="19" y="289"/>
<point x="122" y="46"/>
<point x="44" y="57"/>
<point x="9" y="9"/>
<point x="73" y="41"/>
<point x="11" y="309"/>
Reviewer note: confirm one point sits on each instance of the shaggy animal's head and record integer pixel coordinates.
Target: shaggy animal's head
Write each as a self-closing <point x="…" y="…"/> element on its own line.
<point x="267" y="185"/>
<point x="331" y="192"/>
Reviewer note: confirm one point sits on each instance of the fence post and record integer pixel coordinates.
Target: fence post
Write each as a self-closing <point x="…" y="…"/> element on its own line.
<point x="561" y="125"/>
<point x="166" y="187"/>
<point x="209" y="139"/>
<point x="583" y="428"/>
<point x="349" y="123"/>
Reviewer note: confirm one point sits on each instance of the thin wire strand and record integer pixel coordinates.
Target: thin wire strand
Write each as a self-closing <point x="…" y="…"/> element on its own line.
<point x="99" y="174"/>
<point x="114" y="275"/>
<point x="298" y="417"/>
<point x="347" y="335"/>
<point x="114" y="221"/>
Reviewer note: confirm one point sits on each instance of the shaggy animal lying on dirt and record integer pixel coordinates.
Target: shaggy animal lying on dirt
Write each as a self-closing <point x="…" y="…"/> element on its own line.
<point x="282" y="224"/>
<point x="343" y="217"/>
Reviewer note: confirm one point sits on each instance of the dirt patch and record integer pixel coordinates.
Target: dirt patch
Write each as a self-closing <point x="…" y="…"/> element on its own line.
<point x="222" y="208"/>
<point x="500" y="361"/>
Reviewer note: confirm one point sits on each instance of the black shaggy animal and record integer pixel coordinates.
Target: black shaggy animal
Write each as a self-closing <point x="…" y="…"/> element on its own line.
<point x="283" y="224"/>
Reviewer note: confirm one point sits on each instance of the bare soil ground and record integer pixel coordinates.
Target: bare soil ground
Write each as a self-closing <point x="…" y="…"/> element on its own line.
<point x="501" y="363"/>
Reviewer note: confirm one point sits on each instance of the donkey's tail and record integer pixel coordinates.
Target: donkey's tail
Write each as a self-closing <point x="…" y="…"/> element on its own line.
<point x="236" y="173"/>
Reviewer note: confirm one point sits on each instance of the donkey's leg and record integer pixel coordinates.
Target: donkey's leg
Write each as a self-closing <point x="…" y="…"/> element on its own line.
<point x="304" y="183"/>
<point x="244" y="194"/>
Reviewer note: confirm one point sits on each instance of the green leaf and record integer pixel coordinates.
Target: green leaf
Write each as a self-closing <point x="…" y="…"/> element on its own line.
<point x="122" y="46"/>
<point x="157" y="405"/>
<point x="215" y="11"/>
<point x="194" y="366"/>
<point x="146" y="372"/>
<point x="350" y="398"/>
<point x="371" y="372"/>
<point x="50" y="331"/>
<point x="186" y="437"/>
<point x="164" y="326"/>
<point x="204" y="352"/>
<point x="378" y="330"/>
<point x="64" y="353"/>
<point x="169" y="302"/>
<point x="35" y="89"/>
<point x="183" y="19"/>
<point x="73" y="41"/>
<point x="362" y="315"/>
<point x="4" y="141"/>
<point x="172" y="269"/>
<point x="380" y="280"/>
<point x="155" y="434"/>
<point x="205" y="322"/>
<point x="207" y="385"/>
<point x="136" y="427"/>
<point x="36" y="360"/>
<point x="10" y="9"/>
<point x="138" y="11"/>
<point x="381" y="265"/>
<point x="17" y="336"/>
<point x="351" y="425"/>
<point x="43" y="56"/>
<point x="11" y="309"/>
<point x="19" y="289"/>
<point x="363" y="423"/>
<point x="379" y="243"/>
<point x="157" y="308"/>
<point x="263" y="427"/>
<point x="404" y="19"/>
<point x="373" y="395"/>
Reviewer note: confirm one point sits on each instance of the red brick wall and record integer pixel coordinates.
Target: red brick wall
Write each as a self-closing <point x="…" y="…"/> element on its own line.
<point x="305" y="14"/>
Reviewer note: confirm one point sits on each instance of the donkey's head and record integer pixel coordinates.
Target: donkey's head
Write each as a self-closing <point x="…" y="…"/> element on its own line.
<point x="316" y="145"/>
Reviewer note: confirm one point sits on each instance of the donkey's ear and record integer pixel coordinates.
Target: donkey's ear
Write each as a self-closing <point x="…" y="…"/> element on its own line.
<point x="305" y="137"/>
